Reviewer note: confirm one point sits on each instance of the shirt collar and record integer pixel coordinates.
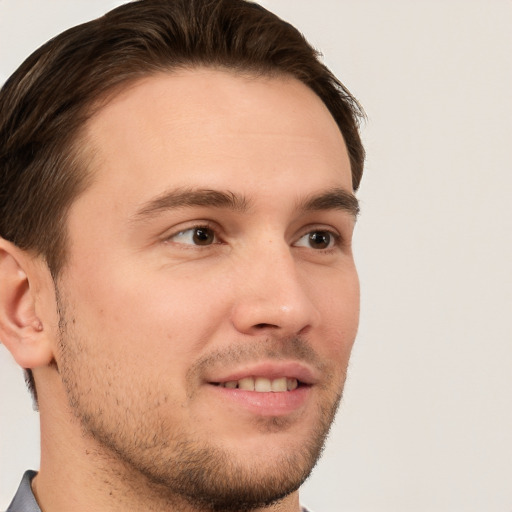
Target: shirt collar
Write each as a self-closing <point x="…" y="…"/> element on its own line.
<point x="25" y="501"/>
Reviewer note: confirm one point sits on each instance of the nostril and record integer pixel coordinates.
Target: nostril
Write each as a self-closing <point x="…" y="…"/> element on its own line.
<point x="264" y="326"/>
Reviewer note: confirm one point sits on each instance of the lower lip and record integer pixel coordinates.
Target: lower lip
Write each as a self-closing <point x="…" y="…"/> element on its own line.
<point x="265" y="404"/>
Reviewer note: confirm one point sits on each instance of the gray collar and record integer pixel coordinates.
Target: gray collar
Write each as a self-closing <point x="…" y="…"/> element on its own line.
<point x="24" y="501"/>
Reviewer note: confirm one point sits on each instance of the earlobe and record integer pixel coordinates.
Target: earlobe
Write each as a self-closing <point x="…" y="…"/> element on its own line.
<point x="21" y="330"/>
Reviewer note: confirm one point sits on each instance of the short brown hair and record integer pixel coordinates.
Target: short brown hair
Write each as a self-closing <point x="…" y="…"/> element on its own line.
<point x="46" y="102"/>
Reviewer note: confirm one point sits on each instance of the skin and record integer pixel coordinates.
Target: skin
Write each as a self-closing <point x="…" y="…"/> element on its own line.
<point x="143" y="320"/>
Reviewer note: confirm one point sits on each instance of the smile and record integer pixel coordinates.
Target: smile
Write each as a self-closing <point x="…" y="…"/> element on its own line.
<point x="262" y="384"/>
<point x="266" y="388"/>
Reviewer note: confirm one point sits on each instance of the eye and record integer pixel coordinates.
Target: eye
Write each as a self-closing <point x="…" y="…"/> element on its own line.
<point x="317" y="240"/>
<point x="198" y="235"/>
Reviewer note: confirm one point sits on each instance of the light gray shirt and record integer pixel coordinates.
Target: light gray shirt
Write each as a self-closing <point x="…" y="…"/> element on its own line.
<point x="25" y="501"/>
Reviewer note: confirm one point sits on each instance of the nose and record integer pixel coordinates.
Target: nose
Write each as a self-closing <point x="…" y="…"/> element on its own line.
<point x="272" y="296"/>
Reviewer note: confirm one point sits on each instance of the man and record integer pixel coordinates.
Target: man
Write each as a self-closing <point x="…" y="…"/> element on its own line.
<point x="176" y="213"/>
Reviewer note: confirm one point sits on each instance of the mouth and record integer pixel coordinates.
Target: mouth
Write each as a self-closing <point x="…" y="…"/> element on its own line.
<point x="262" y="384"/>
<point x="268" y="377"/>
<point x="269" y="388"/>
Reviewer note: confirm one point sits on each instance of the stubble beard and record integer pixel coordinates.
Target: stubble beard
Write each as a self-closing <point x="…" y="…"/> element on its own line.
<point x="169" y="465"/>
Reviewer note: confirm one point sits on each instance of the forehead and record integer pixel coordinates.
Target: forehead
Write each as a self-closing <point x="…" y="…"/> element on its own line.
<point x="203" y="127"/>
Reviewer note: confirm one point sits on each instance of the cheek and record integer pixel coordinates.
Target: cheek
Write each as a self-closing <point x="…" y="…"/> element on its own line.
<point x="161" y="320"/>
<point x="339" y="311"/>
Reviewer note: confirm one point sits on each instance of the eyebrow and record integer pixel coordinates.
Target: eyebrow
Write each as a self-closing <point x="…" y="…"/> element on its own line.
<point x="188" y="198"/>
<point x="332" y="199"/>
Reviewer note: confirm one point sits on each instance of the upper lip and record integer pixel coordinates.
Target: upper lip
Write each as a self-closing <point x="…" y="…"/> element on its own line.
<point x="270" y="370"/>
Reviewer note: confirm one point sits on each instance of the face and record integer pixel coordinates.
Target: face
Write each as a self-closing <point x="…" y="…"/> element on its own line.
<point x="210" y="299"/>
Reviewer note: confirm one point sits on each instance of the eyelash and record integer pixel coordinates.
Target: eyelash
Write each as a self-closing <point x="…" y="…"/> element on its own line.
<point x="204" y="226"/>
<point x="337" y="238"/>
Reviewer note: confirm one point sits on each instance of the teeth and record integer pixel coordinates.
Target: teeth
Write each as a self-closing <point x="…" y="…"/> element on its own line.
<point x="291" y="384"/>
<point x="279" y="384"/>
<point x="262" y="384"/>
<point x="247" y="384"/>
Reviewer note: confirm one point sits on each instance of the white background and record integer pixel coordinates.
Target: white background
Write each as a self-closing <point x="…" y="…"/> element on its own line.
<point x="426" y="423"/>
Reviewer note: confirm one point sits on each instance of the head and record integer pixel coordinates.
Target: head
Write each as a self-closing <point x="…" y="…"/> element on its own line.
<point x="208" y="75"/>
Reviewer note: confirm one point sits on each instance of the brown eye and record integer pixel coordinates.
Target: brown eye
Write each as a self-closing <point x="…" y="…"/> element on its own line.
<point x="317" y="240"/>
<point x="200" y="235"/>
<point x="320" y="239"/>
<point x="203" y="236"/>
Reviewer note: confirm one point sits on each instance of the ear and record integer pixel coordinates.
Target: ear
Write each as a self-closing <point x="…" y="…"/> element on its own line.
<point x="22" y="330"/>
